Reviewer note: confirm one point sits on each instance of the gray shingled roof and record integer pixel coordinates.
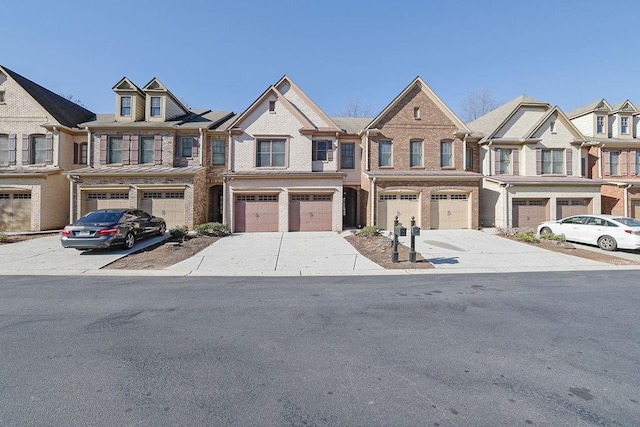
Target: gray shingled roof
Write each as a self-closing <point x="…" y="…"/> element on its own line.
<point x="205" y="119"/>
<point x="137" y="170"/>
<point x="425" y="173"/>
<point x="489" y="123"/>
<point x="584" y="109"/>
<point x="65" y="112"/>
<point x="546" y="180"/>
<point x="352" y="125"/>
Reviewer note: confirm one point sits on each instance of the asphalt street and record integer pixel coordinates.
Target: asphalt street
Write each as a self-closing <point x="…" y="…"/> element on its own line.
<point x="434" y="350"/>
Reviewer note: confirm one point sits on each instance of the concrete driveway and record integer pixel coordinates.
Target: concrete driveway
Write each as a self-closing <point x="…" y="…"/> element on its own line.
<point x="46" y="255"/>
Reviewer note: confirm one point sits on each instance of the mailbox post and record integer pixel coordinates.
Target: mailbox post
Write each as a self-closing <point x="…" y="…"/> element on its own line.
<point x="412" y="251"/>
<point x="398" y="230"/>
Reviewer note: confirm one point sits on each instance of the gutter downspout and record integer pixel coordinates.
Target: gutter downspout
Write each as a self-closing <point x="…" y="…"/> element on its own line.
<point x="600" y="165"/>
<point x="231" y="153"/>
<point x="626" y="199"/>
<point x="373" y="200"/>
<point x="200" y="154"/>
<point x="506" y="210"/>
<point x="366" y="151"/>
<point x="491" y="161"/>
<point x="464" y="153"/>
<point x="71" y="215"/>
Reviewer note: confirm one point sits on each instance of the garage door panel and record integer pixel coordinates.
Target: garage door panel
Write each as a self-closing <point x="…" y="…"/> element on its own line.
<point x="256" y="213"/>
<point x="569" y="207"/>
<point x="635" y="209"/>
<point x="528" y="213"/>
<point x="308" y="212"/>
<point x="166" y="204"/>
<point x="449" y="211"/>
<point x="404" y="206"/>
<point x="104" y="200"/>
<point x="15" y="211"/>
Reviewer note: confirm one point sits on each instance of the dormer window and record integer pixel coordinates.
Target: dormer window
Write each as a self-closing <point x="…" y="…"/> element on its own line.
<point x="125" y="106"/>
<point x="272" y="106"/>
<point x="600" y="124"/>
<point x="624" y="125"/>
<point x="155" y="106"/>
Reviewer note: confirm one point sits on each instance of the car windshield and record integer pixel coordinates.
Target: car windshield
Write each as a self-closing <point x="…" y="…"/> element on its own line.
<point x="629" y="222"/>
<point x="100" y="218"/>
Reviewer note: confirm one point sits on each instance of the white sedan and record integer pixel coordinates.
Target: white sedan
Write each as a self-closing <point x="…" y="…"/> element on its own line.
<point x="609" y="232"/>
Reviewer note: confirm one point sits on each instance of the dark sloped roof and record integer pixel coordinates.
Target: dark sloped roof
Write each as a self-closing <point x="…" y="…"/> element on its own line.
<point x="67" y="113"/>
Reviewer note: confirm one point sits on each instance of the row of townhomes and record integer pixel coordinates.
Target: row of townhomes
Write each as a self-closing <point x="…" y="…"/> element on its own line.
<point x="284" y="165"/>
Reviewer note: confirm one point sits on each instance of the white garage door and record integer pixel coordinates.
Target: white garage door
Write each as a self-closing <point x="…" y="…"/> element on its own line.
<point x="404" y="206"/>
<point x="449" y="211"/>
<point x="15" y="211"/>
<point x="256" y="212"/>
<point x="165" y="204"/>
<point x="105" y="200"/>
<point x="310" y="212"/>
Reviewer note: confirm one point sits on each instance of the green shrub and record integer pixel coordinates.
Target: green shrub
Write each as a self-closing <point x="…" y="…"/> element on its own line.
<point x="527" y="237"/>
<point x="179" y="232"/>
<point x="555" y="237"/>
<point x="368" y="231"/>
<point x="212" y="229"/>
<point x="4" y="238"/>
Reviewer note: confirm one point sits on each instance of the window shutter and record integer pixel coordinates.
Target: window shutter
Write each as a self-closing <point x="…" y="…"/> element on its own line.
<point x="607" y="163"/>
<point x="569" y="161"/>
<point x="633" y="162"/>
<point x="157" y="147"/>
<point x="538" y="161"/>
<point x="516" y="161"/>
<point x="497" y="162"/>
<point x="126" y="147"/>
<point x="103" y="150"/>
<point x="12" y="148"/>
<point x="135" y="147"/>
<point x="623" y="160"/>
<point x="75" y="153"/>
<point x="196" y="145"/>
<point x="49" y="152"/>
<point x="25" y="149"/>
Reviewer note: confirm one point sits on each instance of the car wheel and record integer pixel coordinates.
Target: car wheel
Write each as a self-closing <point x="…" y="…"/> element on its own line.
<point x="129" y="240"/>
<point x="162" y="229"/>
<point x="545" y="230"/>
<point x="607" y="243"/>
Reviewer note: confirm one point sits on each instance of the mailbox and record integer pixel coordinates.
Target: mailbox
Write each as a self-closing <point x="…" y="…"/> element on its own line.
<point x="400" y="230"/>
<point x="415" y="230"/>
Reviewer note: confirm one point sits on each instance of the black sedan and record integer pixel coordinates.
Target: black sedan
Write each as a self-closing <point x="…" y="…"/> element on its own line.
<point x="110" y="227"/>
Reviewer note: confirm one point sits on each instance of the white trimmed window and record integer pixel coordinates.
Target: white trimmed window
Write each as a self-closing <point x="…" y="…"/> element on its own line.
<point x="217" y="152"/>
<point x="4" y="150"/>
<point x="114" y="149"/>
<point x="147" y="149"/>
<point x="505" y="161"/>
<point x="156" y="109"/>
<point x="384" y="154"/>
<point x="600" y="124"/>
<point x="38" y="149"/>
<point x="125" y="106"/>
<point x="322" y="151"/>
<point x="270" y="153"/>
<point x="446" y="154"/>
<point x="469" y="158"/>
<point x="553" y="162"/>
<point x="614" y="162"/>
<point x="624" y="125"/>
<point x="415" y="159"/>
<point x="186" y="142"/>
<point x="347" y="156"/>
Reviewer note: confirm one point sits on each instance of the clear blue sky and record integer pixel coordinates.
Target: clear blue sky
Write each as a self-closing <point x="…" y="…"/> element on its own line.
<point x="223" y="54"/>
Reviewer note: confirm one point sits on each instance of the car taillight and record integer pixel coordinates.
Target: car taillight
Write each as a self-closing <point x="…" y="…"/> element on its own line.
<point x="636" y="232"/>
<point x="107" y="231"/>
<point x="66" y="232"/>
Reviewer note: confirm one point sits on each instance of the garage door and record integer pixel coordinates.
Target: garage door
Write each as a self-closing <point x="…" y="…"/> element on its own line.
<point x="15" y="211"/>
<point x="165" y="204"/>
<point x="635" y="209"/>
<point x="403" y="205"/>
<point x="529" y="213"/>
<point x="310" y="212"/>
<point x="449" y="211"/>
<point x="568" y="207"/>
<point x="256" y="213"/>
<point x="113" y="200"/>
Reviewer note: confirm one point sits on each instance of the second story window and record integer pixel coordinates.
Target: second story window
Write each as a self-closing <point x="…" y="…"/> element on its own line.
<point x="125" y="106"/>
<point x="147" y="149"/>
<point x="624" y="125"/>
<point x="600" y="124"/>
<point x="614" y="162"/>
<point x="114" y="149"/>
<point x="504" y="165"/>
<point x="552" y="162"/>
<point x="347" y="152"/>
<point x="38" y="149"/>
<point x="322" y="150"/>
<point x="384" y="154"/>
<point x="4" y="150"/>
<point x="637" y="162"/>
<point x="469" y="158"/>
<point x="80" y="153"/>
<point x="270" y="153"/>
<point x="217" y="152"/>
<point x="186" y="143"/>
<point x="155" y="106"/>
<point x="415" y="153"/>
<point x="446" y="154"/>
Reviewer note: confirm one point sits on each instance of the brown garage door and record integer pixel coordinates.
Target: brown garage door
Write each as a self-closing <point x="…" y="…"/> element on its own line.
<point x="404" y="206"/>
<point x="165" y="204"/>
<point x="310" y="212"/>
<point x="569" y="207"/>
<point x="449" y="211"/>
<point x="15" y="211"/>
<point x="254" y="213"/>
<point x="528" y="213"/>
<point x="105" y="200"/>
